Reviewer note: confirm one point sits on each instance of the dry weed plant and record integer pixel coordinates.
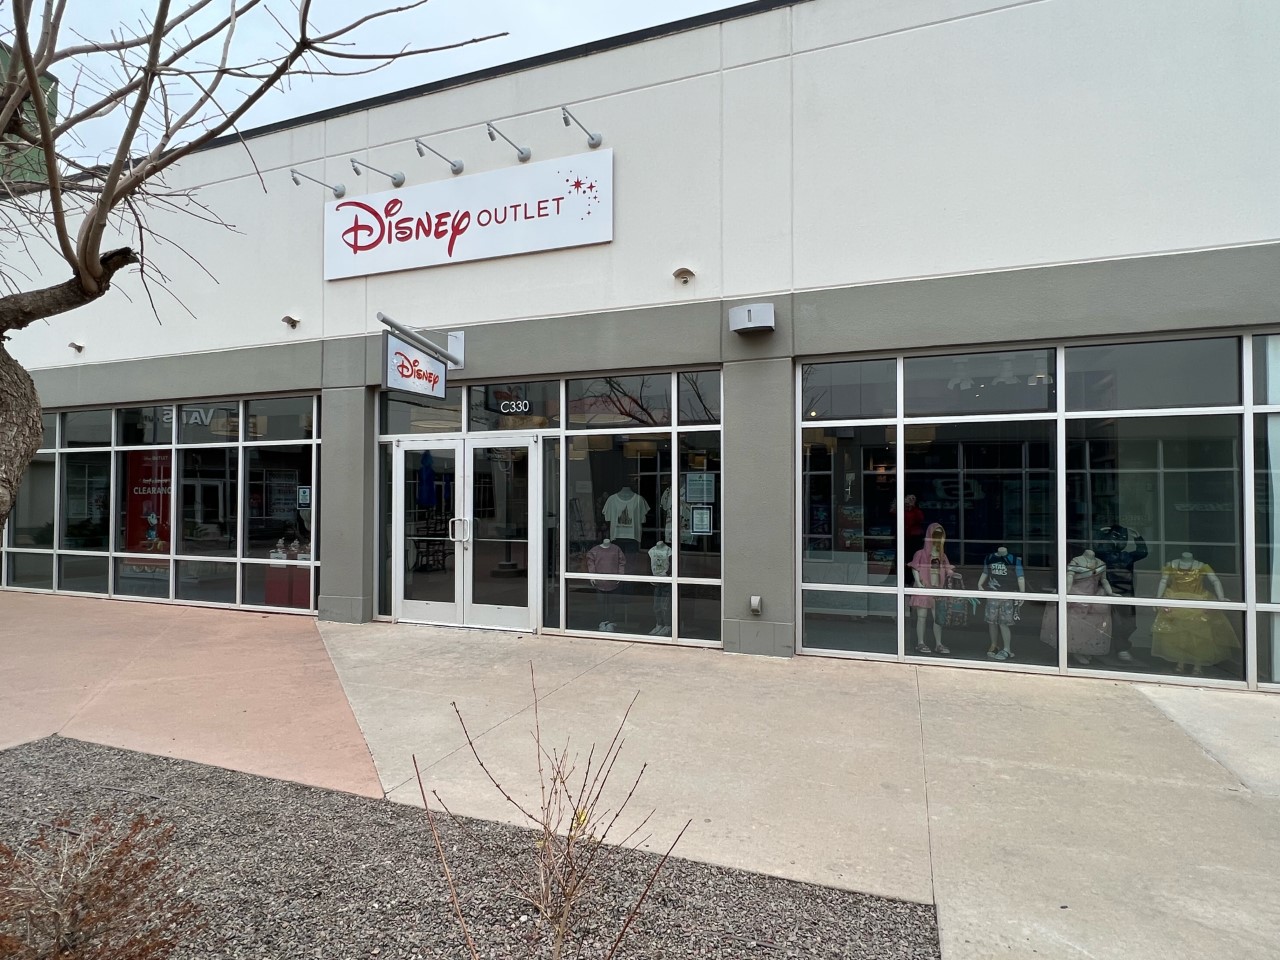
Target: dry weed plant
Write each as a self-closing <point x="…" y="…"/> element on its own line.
<point x="106" y="891"/>
<point x="573" y="822"/>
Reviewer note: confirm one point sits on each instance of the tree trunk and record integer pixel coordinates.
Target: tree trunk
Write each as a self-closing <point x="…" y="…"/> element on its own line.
<point x="20" y="428"/>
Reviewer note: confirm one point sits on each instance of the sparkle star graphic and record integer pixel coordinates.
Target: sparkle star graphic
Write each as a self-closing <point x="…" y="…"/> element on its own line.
<point x="591" y="187"/>
<point x="577" y="185"/>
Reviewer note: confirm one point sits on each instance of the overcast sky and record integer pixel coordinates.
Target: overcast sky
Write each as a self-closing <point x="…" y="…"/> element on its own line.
<point x="533" y="27"/>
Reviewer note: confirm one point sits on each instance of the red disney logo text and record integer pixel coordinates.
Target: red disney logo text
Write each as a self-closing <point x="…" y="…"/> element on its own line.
<point x="411" y="369"/>
<point x="371" y="227"/>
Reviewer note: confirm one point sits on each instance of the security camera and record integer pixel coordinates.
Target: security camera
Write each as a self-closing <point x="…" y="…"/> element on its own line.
<point x="683" y="274"/>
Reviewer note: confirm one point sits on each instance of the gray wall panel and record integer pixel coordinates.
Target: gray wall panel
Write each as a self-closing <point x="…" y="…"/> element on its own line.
<point x="1190" y="291"/>
<point x="347" y="530"/>
<point x="660" y="337"/>
<point x="759" y="498"/>
<point x="225" y="373"/>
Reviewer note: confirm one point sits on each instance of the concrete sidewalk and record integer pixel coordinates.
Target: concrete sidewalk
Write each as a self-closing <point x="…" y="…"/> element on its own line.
<point x="1046" y="817"/>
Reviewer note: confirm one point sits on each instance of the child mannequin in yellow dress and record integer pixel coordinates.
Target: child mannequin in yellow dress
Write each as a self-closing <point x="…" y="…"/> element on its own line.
<point x="1189" y="635"/>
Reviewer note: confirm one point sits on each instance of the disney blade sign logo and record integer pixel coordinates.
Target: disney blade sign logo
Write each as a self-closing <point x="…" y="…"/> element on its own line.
<point x="371" y="228"/>
<point x="410" y="368"/>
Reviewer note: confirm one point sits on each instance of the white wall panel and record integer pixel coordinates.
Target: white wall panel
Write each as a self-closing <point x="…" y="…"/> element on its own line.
<point x="752" y="39"/>
<point x="1052" y="132"/>
<point x="757" y="178"/>
<point x="905" y="139"/>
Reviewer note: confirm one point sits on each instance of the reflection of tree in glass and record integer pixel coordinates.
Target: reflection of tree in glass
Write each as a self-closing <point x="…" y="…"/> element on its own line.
<point x="815" y="395"/>
<point x="694" y="405"/>
<point x="612" y="394"/>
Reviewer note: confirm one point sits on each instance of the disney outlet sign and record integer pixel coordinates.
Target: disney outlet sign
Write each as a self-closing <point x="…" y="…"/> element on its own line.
<point x="535" y="206"/>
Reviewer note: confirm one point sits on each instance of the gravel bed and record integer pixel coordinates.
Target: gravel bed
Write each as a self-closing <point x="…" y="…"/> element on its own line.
<point x="289" y="871"/>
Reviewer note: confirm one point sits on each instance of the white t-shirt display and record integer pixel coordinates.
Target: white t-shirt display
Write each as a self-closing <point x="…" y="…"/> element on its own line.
<point x="625" y="511"/>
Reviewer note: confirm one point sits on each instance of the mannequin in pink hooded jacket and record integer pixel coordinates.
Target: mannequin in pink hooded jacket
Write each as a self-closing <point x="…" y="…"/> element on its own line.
<point x="930" y="567"/>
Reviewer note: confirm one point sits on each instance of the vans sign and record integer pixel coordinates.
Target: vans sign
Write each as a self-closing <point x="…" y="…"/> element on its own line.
<point x="532" y="207"/>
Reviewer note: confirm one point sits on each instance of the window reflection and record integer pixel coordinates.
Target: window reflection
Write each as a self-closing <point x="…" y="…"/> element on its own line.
<point x="598" y="402"/>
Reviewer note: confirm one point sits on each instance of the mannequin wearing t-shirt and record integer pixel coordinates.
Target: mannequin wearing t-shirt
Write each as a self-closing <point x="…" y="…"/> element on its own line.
<point x="607" y="557"/>
<point x="660" y="566"/>
<point x="1002" y="571"/>
<point x="625" y="512"/>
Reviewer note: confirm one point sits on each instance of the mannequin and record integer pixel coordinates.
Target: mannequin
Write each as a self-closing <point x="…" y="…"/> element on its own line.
<point x="1112" y="547"/>
<point x="607" y="557"/>
<point x="1088" y="624"/>
<point x="660" y="566"/>
<point x="930" y="567"/>
<point x="1001" y="571"/>
<point x="1188" y="636"/>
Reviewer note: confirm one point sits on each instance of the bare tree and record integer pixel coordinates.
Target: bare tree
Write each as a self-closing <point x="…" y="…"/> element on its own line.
<point x="164" y="87"/>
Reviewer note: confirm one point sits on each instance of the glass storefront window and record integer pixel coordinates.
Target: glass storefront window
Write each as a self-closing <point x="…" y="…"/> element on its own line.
<point x="985" y="486"/>
<point x="142" y="577"/>
<point x="49" y="428"/>
<point x="618" y="606"/>
<point x="31" y="521"/>
<point x="402" y="414"/>
<point x="857" y="389"/>
<point x="1170" y="373"/>
<point x="1019" y="381"/>
<point x="615" y="488"/>
<point x="633" y="401"/>
<point x="530" y="405"/>
<point x="86" y="501"/>
<point x="385" y="533"/>
<point x="208" y="501"/>
<point x="1268" y="646"/>
<point x="86" y="428"/>
<point x="144" y="483"/>
<point x="849" y="485"/>
<point x="209" y="422"/>
<point x="694" y="509"/>
<point x="551" y="545"/>
<point x="30" y="571"/>
<point x="1143" y="492"/>
<point x="699" y="611"/>
<point x="277" y="503"/>
<point x="280" y="418"/>
<point x="276" y="585"/>
<point x="144" y="425"/>
<point x="699" y="397"/>
<point x="205" y="581"/>
<point x="82" y="574"/>
<point x="850" y="621"/>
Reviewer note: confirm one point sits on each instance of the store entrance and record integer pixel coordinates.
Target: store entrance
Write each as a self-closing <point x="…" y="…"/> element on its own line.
<point x="464" y="533"/>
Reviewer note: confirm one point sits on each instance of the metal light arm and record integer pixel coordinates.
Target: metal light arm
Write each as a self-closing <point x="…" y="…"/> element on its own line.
<point x="339" y="191"/>
<point x="522" y="153"/>
<point x="593" y="139"/>
<point x="421" y="342"/>
<point x="397" y="178"/>
<point x="455" y="166"/>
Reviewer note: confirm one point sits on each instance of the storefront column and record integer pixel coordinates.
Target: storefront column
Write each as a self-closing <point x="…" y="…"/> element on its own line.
<point x="759" y="507"/>
<point x="347" y="487"/>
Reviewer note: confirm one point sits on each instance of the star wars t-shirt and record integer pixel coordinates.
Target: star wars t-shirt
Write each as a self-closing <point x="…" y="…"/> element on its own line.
<point x="1002" y="572"/>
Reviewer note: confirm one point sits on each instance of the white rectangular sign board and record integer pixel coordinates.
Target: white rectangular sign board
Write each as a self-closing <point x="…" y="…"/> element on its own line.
<point x="519" y="209"/>
<point x="409" y="369"/>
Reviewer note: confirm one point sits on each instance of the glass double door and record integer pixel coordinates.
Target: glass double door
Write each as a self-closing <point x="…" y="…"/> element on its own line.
<point x="465" y="538"/>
